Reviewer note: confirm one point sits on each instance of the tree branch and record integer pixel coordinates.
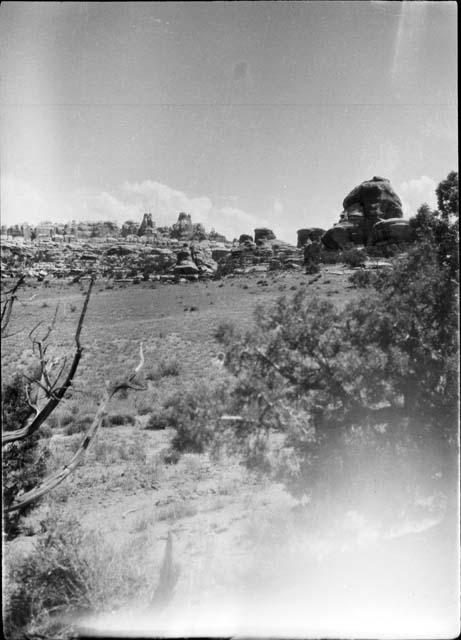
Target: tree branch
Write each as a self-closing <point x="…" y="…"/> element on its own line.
<point x="56" y="397"/>
<point x="56" y="479"/>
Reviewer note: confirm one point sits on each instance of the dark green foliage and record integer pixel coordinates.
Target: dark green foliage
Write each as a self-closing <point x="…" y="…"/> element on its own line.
<point x="53" y="578"/>
<point x="330" y="399"/>
<point x="78" y="424"/>
<point x="354" y="257"/>
<point x="330" y="256"/>
<point x="363" y="278"/>
<point x="166" y="367"/>
<point x="160" y="419"/>
<point x="448" y="195"/>
<point x="24" y="462"/>
<point x="385" y="250"/>
<point x="118" y="419"/>
<point x="195" y="416"/>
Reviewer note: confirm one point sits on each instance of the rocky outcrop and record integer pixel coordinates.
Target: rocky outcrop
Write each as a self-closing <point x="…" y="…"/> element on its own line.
<point x="202" y="257"/>
<point x="394" y="230"/>
<point x="314" y="234"/>
<point x="343" y="235"/>
<point x="368" y="205"/>
<point x="147" y="225"/>
<point x="374" y="200"/>
<point x="183" y="228"/>
<point x="263" y="234"/>
<point x="184" y="263"/>
<point x="268" y="254"/>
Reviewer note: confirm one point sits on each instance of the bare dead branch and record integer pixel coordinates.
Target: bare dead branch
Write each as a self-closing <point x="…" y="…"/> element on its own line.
<point x="7" y="306"/>
<point x="33" y="330"/>
<point x="12" y="291"/>
<point x="55" y="479"/>
<point x="36" y="382"/>
<point x="29" y="401"/>
<point x="56" y="397"/>
<point x="51" y="325"/>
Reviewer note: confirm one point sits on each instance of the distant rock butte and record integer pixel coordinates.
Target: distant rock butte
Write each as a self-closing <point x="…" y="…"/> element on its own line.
<point x="147" y="225"/>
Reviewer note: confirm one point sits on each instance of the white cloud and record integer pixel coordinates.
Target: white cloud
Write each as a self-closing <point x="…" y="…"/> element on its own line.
<point x="21" y="202"/>
<point x="232" y="222"/>
<point x="415" y="192"/>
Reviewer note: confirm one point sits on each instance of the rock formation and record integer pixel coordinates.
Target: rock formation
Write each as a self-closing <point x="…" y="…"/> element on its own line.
<point x="313" y="234"/>
<point x="147" y="225"/>
<point x="366" y="206"/>
<point x="184" y="263"/>
<point x="183" y="228"/>
<point x="268" y="253"/>
<point x="263" y="234"/>
<point x="392" y="230"/>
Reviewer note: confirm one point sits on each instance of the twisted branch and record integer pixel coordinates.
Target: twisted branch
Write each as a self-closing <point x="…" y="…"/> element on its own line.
<point x="56" y="479"/>
<point x="53" y="397"/>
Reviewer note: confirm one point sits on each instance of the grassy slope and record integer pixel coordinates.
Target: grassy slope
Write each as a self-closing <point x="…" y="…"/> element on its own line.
<point x="220" y="516"/>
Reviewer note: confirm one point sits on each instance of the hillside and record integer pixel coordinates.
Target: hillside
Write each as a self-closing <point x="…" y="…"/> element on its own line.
<point x="232" y="531"/>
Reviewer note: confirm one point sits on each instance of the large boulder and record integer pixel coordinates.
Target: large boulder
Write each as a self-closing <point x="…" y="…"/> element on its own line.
<point x="375" y="198"/>
<point x="313" y="233"/>
<point x="202" y="257"/>
<point x="342" y="235"/>
<point x="263" y="234"/>
<point x="365" y="206"/>
<point x="393" y="230"/>
<point x="121" y="250"/>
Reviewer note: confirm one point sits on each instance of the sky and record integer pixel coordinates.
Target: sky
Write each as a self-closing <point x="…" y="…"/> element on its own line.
<point x="244" y="114"/>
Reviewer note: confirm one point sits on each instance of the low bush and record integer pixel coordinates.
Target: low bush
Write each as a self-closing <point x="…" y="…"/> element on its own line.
<point x="69" y="573"/>
<point x="224" y="331"/>
<point x="167" y="367"/>
<point x="161" y="418"/>
<point x="330" y="256"/>
<point x="195" y="415"/>
<point x="354" y="257"/>
<point x="78" y="425"/>
<point x="363" y="278"/>
<point x="385" y="250"/>
<point x="118" y="419"/>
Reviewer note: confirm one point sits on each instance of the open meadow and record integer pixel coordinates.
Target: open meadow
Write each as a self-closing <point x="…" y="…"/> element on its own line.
<point x="234" y="534"/>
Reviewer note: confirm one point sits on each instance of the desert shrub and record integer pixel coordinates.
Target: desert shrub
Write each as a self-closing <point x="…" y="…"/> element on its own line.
<point x="224" y="331"/>
<point x="330" y="256"/>
<point x="46" y="431"/>
<point x="195" y="416"/>
<point x="68" y="573"/>
<point x="118" y="419"/>
<point x="166" y="367"/>
<point x="363" y="278"/>
<point x="170" y="455"/>
<point x="354" y="257"/>
<point x="329" y="399"/>
<point x="24" y="461"/>
<point x="79" y="424"/>
<point x="385" y="250"/>
<point x="161" y="418"/>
